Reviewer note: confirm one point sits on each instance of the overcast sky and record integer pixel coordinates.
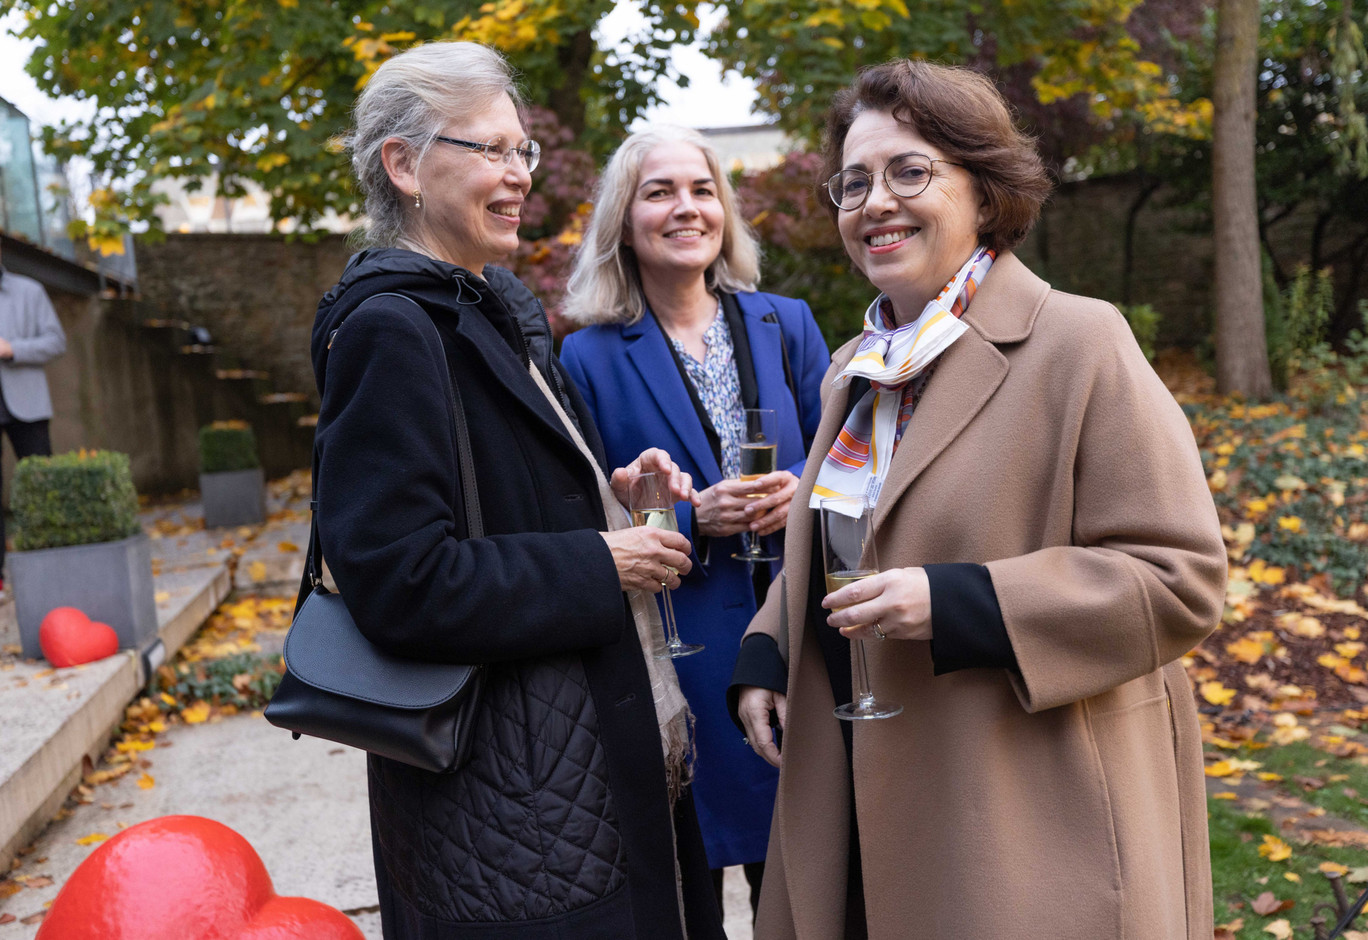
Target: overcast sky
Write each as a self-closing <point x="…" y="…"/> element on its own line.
<point x="707" y="102"/>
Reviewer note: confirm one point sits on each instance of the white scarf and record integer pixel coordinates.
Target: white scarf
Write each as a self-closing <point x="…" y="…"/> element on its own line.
<point x="858" y="461"/>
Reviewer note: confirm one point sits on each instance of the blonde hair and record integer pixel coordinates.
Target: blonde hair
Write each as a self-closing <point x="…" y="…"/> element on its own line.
<point x="411" y="97"/>
<point x="605" y="285"/>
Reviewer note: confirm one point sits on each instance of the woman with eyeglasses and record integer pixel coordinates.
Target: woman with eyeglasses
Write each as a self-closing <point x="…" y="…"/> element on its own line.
<point x="572" y="817"/>
<point x="1047" y="550"/>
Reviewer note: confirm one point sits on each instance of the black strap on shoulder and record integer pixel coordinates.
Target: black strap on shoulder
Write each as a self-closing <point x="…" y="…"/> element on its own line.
<point x="465" y="457"/>
<point x="741" y="351"/>
<point x="773" y="317"/>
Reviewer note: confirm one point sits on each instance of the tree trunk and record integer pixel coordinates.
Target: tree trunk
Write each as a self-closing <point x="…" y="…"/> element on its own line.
<point x="1241" y="350"/>
<point x="573" y="57"/>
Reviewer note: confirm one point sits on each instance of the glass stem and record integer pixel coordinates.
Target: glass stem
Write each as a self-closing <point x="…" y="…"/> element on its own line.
<point x="863" y="694"/>
<point x="671" y="631"/>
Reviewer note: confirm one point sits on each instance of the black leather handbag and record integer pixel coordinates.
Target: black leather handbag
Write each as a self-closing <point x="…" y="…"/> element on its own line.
<point x="340" y="686"/>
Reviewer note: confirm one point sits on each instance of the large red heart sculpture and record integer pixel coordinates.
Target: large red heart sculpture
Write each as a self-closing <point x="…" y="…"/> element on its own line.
<point x="183" y="877"/>
<point x="68" y="638"/>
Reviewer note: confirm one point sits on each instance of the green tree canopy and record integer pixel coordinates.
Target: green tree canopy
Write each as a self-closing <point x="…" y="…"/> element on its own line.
<point x="260" y="90"/>
<point x="800" y="52"/>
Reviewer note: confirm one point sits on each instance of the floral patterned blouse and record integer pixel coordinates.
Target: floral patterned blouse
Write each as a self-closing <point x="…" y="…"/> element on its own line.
<point x="719" y="389"/>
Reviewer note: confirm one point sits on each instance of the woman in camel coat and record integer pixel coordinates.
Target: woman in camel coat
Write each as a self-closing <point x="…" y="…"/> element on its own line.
<point x="1048" y="552"/>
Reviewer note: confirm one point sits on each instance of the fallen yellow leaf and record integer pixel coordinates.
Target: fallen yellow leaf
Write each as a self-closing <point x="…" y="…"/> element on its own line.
<point x="1292" y="876"/>
<point x="196" y="713"/>
<point x="147" y="781"/>
<point x="93" y="838"/>
<point x="1225" y="795"/>
<point x="1332" y="868"/>
<point x="1217" y="694"/>
<point x="288" y="547"/>
<point x="1221" y="768"/>
<point x="256" y="571"/>
<point x="1245" y="650"/>
<point x="1275" y="849"/>
<point x="1280" y="929"/>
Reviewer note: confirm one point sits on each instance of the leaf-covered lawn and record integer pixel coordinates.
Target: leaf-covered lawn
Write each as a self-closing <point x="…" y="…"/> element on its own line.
<point x="1283" y="683"/>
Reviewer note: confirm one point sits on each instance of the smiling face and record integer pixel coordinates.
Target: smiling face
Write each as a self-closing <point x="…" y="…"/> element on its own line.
<point x="675" y="220"/>
<point x="471" y="208"/>
<point x="909" y="248"/>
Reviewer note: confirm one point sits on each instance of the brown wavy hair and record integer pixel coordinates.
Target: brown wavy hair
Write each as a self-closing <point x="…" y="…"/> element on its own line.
<point x="963" y="114"/>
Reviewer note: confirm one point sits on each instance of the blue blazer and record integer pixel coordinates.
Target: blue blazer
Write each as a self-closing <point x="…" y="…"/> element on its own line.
<point x="638" y="399"/>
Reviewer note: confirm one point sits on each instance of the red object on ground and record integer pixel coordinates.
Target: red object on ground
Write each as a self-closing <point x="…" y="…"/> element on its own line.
<point x="183" y="878"/>
<point x="68" y="638"/>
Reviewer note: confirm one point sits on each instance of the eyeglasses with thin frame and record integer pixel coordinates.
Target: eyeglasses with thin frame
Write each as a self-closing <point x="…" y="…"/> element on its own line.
<point x="906" y="175"/>
<point x="497" y="151"/>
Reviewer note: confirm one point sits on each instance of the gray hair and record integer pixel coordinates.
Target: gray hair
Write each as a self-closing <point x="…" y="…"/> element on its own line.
<point x="605" y="285"/>
<point x="411" y="97"/>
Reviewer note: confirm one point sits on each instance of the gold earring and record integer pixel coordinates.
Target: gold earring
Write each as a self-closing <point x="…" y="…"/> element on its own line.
<point x="417" y="199"/>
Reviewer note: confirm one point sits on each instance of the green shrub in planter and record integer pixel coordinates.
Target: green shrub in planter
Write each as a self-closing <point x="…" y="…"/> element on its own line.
<point x="226" y="446"/>
<point x="73" y="499"/>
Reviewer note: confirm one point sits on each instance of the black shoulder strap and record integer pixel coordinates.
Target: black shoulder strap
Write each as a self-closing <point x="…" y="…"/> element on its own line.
<point x="773" y="317"/>
<point x="465" y="456"/>
<point x="741" y="351"/>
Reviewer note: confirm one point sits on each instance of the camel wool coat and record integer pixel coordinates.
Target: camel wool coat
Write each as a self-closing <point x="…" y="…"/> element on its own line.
<point x="1063" y="799"/>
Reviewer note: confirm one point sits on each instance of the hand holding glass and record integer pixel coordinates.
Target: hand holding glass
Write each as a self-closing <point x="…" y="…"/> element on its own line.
<point x="847" y="557"/>
<point x="651" y="505"/>
<point x="759" y="456"/>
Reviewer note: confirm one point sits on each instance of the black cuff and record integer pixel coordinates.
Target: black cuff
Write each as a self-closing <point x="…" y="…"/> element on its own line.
<point x="702" y="544"/>
<point x="759" y="664"/>
<point x="967" y="631"/>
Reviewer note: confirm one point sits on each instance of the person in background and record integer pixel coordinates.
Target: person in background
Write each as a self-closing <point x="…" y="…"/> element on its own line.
<point x="30" y="338"/>
<point x="573" y="818"/>
<point x="677" y="342"/>
<point x="1048" y="550"/>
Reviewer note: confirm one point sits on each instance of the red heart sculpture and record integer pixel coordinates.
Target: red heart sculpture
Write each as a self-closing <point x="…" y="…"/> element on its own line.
<point x="68" y="638"/>
<point x="179" y="877"/>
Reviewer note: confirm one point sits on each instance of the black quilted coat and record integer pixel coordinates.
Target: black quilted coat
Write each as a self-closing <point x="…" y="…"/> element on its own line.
<point x="559" y="826"/>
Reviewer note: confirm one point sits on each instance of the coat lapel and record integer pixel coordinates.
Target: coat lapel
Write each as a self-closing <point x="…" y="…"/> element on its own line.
<point x="651" y="357"/>
<point x="511" y="373"/>
<point x="967" y="374"/>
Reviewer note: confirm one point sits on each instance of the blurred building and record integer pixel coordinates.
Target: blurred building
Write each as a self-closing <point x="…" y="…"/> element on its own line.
<point x="201" y="211"/>
<point x="749" y="147"/>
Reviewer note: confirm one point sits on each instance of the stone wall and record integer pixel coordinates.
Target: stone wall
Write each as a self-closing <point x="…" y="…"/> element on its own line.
<point x="1079" y="246"/>
<point x="127" y="387"/>
<point x="256" y="294"/>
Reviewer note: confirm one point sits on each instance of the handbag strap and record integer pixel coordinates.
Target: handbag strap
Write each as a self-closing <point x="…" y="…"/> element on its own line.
<point x="465" y="457"/>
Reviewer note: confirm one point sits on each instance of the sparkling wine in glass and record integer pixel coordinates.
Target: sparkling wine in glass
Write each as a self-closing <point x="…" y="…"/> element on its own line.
<point x="759" y="456"/>
<point x="847" y="557"/>
<point x="650" y="504"/>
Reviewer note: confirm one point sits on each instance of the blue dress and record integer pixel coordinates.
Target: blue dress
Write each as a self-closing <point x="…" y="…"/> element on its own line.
<point x="633" y="387"/>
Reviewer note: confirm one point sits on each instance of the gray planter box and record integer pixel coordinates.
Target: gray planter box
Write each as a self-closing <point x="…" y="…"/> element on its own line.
<point x="233" y="497"/>
<point x="110" y="581"/>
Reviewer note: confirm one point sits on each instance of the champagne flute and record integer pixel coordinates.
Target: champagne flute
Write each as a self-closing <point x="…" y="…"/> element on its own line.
<point x="650" y="504"/>
<point x="759" y="456"/>
<point x="847" y="557"/>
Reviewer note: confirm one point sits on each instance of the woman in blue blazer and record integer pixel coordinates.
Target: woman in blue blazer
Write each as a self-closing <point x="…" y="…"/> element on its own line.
<point x="677" y="342"/>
